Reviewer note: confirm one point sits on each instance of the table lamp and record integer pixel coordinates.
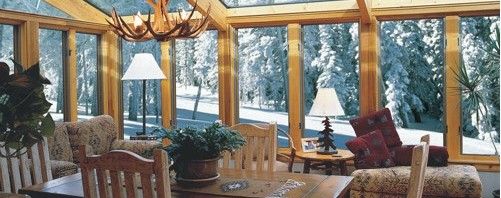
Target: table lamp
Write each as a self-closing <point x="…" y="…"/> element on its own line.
<point x="143" y="67"/>
<point x="326" y="104"/>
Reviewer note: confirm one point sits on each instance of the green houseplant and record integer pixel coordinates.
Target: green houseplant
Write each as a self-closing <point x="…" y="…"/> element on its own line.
<point x="196" y="152"/>
<point x="24" y="120"/>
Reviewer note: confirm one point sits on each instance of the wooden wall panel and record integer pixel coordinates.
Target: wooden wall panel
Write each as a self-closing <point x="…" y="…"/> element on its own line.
<point x="70" y="71"/>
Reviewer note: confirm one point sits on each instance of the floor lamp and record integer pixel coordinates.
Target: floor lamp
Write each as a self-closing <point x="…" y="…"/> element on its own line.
<point x="144" y="67"/>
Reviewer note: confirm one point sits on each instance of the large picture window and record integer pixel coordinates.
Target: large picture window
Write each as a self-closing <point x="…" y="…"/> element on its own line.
<point x="331" y="61"/>
<point x="52" y="67"/>
<point x="197" y="85"/>
<point x="132" y="91"/>
<point x="263" y="77"/>
<point x="87" y="76"/>
<point x="412" y="77"/>
<point x="480" y="58"/>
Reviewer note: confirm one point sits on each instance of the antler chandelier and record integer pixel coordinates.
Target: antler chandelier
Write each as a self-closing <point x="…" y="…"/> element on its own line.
<point x="164" y="26"/>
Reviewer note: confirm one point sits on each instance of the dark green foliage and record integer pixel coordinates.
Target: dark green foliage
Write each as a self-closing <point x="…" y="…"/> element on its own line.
<point x="199" y="144"/>
<point x="24" y="120"/>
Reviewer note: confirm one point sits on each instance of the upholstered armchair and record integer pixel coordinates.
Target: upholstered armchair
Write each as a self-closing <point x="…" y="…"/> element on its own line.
<point x="99" y="134"/>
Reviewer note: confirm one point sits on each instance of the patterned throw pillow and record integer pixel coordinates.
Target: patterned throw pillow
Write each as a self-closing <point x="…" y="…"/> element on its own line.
<point x="370" y="151"/>
<point x="380" y="120"/>
<point x="437" y="156"/>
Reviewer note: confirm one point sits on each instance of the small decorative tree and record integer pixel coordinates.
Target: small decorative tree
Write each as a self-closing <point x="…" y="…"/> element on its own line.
<point x="326" y="139"/>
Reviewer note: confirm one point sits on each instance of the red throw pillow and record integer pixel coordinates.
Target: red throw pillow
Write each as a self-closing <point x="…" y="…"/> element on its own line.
<point x="380" y="120"/>
<point x="370" y="151"/>
<point x="402" y="156"/>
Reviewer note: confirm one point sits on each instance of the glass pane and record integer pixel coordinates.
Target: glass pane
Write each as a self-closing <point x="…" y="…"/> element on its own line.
<point x="412" y="77"/>
<point x="130" y="7"/>
<point x="7" y="45"/>
<point x="263" y="77"/>
<point x="246" y="3"/>
<point x="197" y="103"/>
<point x="51" y="66"/>
<point x="87" y="76"/>
<point x="33" y="6"/>
<point x="480" y="53"/>
<point x="132" y="91"/>
<point x="331" y="61"/>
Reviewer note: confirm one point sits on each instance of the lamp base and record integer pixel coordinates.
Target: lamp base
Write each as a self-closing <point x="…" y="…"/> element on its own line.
<point x="327" y="152"/>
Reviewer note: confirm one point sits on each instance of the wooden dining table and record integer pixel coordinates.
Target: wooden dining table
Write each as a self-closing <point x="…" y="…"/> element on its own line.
<point x="314" y="185"/>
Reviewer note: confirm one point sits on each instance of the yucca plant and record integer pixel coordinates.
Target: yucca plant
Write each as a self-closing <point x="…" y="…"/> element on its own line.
<point x="473" y="86"/>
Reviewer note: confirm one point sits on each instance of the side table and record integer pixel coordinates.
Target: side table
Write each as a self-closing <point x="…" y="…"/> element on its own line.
<point x="330" y="161"/>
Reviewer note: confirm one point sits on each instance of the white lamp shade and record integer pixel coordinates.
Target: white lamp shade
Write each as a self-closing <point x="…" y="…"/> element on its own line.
<point x="143" y="67"/>
<point x="326" y="103"/>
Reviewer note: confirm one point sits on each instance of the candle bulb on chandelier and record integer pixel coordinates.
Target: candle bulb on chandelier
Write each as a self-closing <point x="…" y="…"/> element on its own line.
<point x="138" y="22"/>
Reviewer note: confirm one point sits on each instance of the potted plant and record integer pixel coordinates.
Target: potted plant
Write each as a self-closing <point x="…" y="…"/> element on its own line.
<point x="195" y="152"/>
<point x="24" y="120"/>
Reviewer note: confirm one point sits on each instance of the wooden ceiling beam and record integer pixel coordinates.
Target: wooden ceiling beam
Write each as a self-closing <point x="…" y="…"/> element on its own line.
<point x="80" y="10"/>
<point x="218" y="12"/>
<point x="416" y="11"/>
<point x="365" y="7"/>
<point x="302" y="13"/>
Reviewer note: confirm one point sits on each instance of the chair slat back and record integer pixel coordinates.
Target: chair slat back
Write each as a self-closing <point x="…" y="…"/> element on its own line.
<point x="261" y="148"/>
<point x="418" y="168"/>
<point x="127" y="172"/>
<point x="30" y="168"/>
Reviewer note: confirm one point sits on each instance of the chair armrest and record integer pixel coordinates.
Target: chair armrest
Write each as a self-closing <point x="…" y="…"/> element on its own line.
<point x="140" y="147"/>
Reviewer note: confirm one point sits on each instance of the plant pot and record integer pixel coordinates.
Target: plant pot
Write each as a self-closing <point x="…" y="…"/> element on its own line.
<point x="199" y="173"/>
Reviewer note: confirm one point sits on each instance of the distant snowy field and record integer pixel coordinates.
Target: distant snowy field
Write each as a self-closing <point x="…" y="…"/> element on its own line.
<point x="208" y="110"/>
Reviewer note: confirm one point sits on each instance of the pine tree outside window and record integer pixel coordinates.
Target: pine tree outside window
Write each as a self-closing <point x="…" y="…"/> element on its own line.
<point x="132" y="90"/>
<point x="7" y="45"/>
<point x="331" y="61"/>
<point x="412" y="77"/>
<point x="51" y="66"/>
<point x="87" y="76"/>
<point x="197" y="103"/>
<point x="263" y="77"/>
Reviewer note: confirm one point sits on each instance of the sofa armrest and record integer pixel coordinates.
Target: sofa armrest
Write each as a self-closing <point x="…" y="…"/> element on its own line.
<point x="140" y="147"/>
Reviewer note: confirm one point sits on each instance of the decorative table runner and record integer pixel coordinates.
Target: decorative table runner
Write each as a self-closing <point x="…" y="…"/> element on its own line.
<point x="244" y="187"/>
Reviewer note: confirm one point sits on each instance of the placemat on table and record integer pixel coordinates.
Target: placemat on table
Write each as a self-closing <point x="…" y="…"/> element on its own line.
<point x="257" y="188"/>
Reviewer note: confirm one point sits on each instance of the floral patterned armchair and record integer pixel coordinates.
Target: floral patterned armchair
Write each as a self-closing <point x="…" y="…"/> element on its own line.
<point x="98" y="133"/>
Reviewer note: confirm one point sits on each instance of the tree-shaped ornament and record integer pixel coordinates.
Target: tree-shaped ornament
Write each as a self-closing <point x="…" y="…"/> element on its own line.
<point x="326" y="104"/>
<point x="326" y="139"/>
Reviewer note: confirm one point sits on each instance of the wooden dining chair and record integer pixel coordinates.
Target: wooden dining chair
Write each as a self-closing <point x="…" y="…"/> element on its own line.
<point x="260" y="151"/>
<point x="418" y="168"/>
<point x="129" y="174"/>
<point x="30" y="168"/>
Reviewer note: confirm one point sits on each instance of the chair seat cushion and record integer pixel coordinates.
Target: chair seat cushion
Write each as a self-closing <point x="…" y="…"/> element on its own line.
<point x="449" y="181"/>
<point x="62" y="168"/>
<point x="370" y="151"/>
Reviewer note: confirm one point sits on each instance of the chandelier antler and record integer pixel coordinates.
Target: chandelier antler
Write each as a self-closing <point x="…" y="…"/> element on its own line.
<point x="164" y="26"/>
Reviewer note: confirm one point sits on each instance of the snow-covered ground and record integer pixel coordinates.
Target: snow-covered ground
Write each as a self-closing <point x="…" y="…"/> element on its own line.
<point x="208" y="110"/>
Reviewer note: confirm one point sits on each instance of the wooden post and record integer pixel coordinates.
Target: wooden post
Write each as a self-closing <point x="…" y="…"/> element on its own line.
<point x="28" y="43"/>
<point x="296" y="86"/>
<point x="452" y="95"/>
<point x="369" y="67"/>
<point x="111" y="79"/>
<point x="168" y="86"/>
<point x="70" y="105"/>
<point x="228" y="76"/>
